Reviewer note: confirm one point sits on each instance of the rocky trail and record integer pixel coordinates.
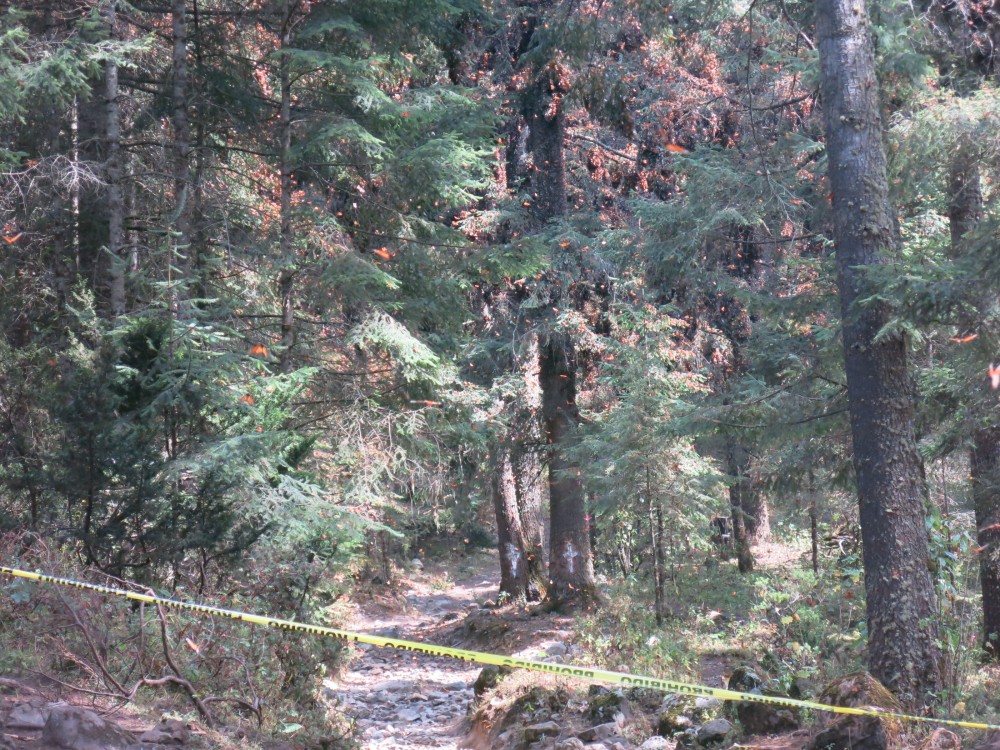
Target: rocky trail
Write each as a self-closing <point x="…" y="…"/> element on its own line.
<point x="405" y="700"/>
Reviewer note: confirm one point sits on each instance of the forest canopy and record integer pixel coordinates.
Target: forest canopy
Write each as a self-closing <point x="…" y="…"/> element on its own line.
<point x="289" y="287"/>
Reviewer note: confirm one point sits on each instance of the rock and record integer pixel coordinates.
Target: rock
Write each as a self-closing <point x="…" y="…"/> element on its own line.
<point x="167" y="732"/>
<point x="393" y="686"/>
<point x="605" y="706"/>
<point x="714" y="732"/>
<point x="705" y="707"/>
<point x="760" y="718"/>
<point x="669" y="724"/>
<point x="656" y="743"/>
<point x="416" y="563"/>
<point x="990" y="742"/>
<point x="796" y="740"/>
<point x="535" y="732"/>
<point x="767" y="718"/>
<point x="688" y="739"/>
<point x="572" y="743"/>
<point x="675" y="715"/>
<point x="941" y="739"/>
<point x="608" y="732"/>
<point x="489" y="678"/>
<point x="408" y="714"/>
<point x="858" y="690"/>
<point x="556" y="649"/>
<point x="745" y="680"/>
<point x="75" y="728"/>
<point x="27" y="716"/>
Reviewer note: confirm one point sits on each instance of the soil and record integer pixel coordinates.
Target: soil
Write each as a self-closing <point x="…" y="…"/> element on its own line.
<point x="42" y="693"/>
<point x="408" y="701"/>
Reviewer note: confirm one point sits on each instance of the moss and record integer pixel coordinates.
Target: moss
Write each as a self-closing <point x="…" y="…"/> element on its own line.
<point x="859" y="689"/>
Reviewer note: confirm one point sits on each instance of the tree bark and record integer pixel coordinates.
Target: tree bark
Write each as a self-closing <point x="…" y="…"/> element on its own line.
<point x="510" y="532"/>
<point x="286" y="277"/>
<point x="902" y="650"/>
<point x="571" y="569"/>
<point x="518" y="499"/>
<point x="965" y="207"/>
<point x="965" y="210"/>
<point x="985" y="470"/>
<point x="546" y="133"/>
<point x="181" y="124"/>
<point x="739" y="500"/>
<point x="529" y="468"/>
<point x="113" y="173"/>
<point x="756" y="514"/>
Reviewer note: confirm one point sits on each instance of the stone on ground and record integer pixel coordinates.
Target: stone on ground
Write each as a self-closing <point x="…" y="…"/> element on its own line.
<point x="941" y="739"/>
<point x="858" y="690"/>
<point x="76" y="728"/>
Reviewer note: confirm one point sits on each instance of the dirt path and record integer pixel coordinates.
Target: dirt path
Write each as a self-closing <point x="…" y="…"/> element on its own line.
<point x="414" y="701"/>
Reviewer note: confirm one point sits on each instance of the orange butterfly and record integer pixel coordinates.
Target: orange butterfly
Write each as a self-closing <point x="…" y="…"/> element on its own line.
<point x="247" y="399"/>
<point x="964" y="339"/>
<point x="258" y="350"/>
<point x="11" y="240"/>
<point x="676" y="148"/>
<point x="995" y="376"/>
<point x="382" y="253"/>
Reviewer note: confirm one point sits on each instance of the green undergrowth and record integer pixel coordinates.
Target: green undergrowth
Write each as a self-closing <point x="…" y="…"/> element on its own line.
<point x="796" y="627"/>
<point x="262" y="684"/>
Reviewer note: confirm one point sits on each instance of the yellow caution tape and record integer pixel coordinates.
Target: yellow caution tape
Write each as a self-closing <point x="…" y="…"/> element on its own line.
<point x="585" y="673"/>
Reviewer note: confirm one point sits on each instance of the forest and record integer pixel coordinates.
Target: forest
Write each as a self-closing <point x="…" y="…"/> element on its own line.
<point x="656" y="337"/>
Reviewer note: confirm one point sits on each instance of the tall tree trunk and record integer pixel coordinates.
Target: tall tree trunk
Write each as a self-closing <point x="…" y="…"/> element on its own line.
<point x="286" y="277"/>
<point x="75" y="238"/>
<point x="756" y="514"/>
<point x="546" y="122"/>
<point x="902" y="650"/>
<point x="659" y="553"/>
<point x="965" y="206"/>
<point x="518" y="499"/>
<point x="529" y="469"/>
<point x="113" y="172"/>
<point x="738" y="460"/>
<point x="182" y="134"/>
<point x="965" y="210"/>
<point x="571" y="570"/>
<point x="510" y="533"/>
<point x="985" y="470"/>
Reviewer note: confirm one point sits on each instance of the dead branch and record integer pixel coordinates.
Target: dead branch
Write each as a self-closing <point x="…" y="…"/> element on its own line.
<point x="180" y="680"/>
<point x="15" y="685"/>
<point x="109" y="678"/>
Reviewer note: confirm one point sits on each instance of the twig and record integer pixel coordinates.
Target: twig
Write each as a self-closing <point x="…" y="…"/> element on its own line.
<point x="177" y="678"/>
<point x="94" y="652"/>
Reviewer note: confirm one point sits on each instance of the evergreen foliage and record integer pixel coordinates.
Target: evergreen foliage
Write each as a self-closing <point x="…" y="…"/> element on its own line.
<point x="285" y="300"/>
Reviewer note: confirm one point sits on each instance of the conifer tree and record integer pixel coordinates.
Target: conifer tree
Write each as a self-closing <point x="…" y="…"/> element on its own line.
<point x="900" y="596"/>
